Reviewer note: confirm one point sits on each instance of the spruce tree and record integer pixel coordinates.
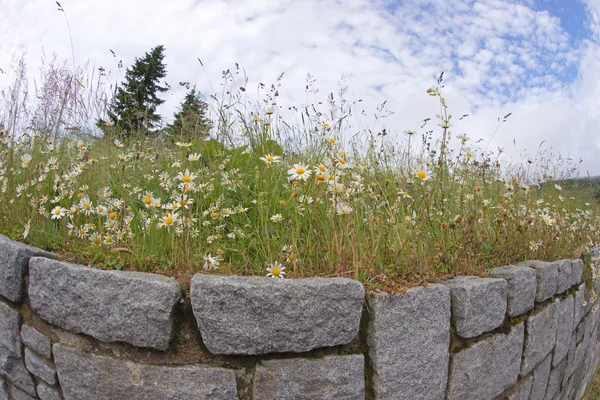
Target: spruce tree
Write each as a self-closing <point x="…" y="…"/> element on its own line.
<point x="136" y="100"/>
<point x="190" y="121"/>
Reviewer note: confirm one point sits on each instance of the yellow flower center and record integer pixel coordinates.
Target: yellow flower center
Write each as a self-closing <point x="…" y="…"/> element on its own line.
<point x="112" y="215"/>
<point x="214" y="214"/>
<point x="186" y="179"/>
<point x="270" y="159"/>
<point x="422" y="175"/>
<point x="87" y="206"/>
<point x="300" y="171"/>
<point x="321" y="177"/>
<point x="57" y="212"/>
<point x="148" y="200"/>
<point x="291" y="257"/>
<point x="108" y="240"/>
<point x="183" y="202"/>
<point x="169" y="220"/>
<point x="275" y="271"/>
<point x="97" y="240"/>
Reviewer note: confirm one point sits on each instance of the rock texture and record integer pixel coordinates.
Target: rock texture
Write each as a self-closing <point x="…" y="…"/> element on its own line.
<point x="409" y="338"/>
<point x="87" y="376"/>
<point x="46" y="392"/>
<point x="14" y="259"/>
<point x="540" y="374"/>
<point x="478" y="304"/>
<point x="36" y="341"/>
<point x="329" y="378"/>
<point x="522" y="287"/>
<point x="40" y="368"/>
<point x="541" y="337"/>
<point x="12" y="365"/>
<point x="565" y="275"/>
<point x="564" y="329"/>
<point x="521" y="390"/>
<point x="547" y="278"/>
<point x="487" y="368"/>
<point x="577" y="266"/>
<point x="251" y="315"/>
<point x="112" y="306"/>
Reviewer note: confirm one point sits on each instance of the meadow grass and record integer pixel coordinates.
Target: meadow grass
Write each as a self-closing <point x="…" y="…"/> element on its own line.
<point x="301" y="199"/>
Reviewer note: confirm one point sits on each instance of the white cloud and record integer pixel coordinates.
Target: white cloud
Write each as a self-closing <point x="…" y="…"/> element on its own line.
<point x="498" y="56"/>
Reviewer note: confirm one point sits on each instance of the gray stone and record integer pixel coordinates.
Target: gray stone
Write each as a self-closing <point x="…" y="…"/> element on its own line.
<point x="564" y="329"/>
<point x="565" y="275"/>
<point x="36" y="341"/>
<point x="547" y="278"/>
<point x="328" y="378"/>
<point x="89" y="376"/>
<point x="3" y="390"/>
<point x="14" y="258"/>
<point x="540" y="374"/>
<point x="11" y="359"/>
<point x="521" y="390"/>
<point x="409" y="339"/>
<point x="38" y="367"/>
<point x="256" y="315"/>
<point x="577" y="266"/>
<point x="579" y="305"/>
<point x="112" y="306"/>
<point x="540" y="338"/>
<point x="478" y="304"/>
<point x="487" y="368"/>
<point x="522" y="287"/>
<point x="46" y="392"/>
<point x="556" y="377"/>
<point x="18" y="394"/>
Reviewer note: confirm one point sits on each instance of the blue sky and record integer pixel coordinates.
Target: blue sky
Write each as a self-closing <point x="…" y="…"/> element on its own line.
<point x="538" y="59"/>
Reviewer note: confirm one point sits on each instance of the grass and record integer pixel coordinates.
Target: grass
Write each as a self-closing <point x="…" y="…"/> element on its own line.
<point x="302" y="197"/>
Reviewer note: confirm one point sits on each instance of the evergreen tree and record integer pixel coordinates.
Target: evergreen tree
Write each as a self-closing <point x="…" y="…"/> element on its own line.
<point x="136" y="100"/>
<point x="190" y="121"/>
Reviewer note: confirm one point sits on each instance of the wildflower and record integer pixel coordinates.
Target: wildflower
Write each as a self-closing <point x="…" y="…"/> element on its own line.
<point x="96" y="239"/>
<point x="534" y="246"/>
<point x="58" y="212"/>
<point x="194" y="157"/>
<point x="270" y="159"/>
<point x="423" y="174"/>
<point x="277" y="218"/>
<point x="86" y="205"/>
<point x="25" y="160"/>
<point x="186" y="176"/>
<point x="342" y="208"/>
<point x="183" y="144"/>
<point x="168" y="220"/>
<point x="27" y="226"/>
<point x="276" y="270"/>
<point x="118" y="143"/>
<point x="210" y="262"/>
<point x="558" y="187"/>
<point x="299" y="171"/>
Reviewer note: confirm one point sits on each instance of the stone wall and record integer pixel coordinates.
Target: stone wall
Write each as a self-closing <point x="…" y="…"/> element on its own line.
<point x="67" y="331"/>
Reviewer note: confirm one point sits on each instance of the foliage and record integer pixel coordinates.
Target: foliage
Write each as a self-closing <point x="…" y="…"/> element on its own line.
<point x="134" y="109"/>
<point x="190" y="120"/>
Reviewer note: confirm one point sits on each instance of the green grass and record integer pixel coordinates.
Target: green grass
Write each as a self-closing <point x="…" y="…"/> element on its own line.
<point x="306" y="195"/>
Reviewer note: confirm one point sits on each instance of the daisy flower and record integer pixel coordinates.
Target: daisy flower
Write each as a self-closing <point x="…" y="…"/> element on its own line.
<point x="299" y="171"/>
<point x="270" y="159"/>
<point x="58" y="212"/>
<point x="186" y="176"/>
<point x="210" y="262"/>
<point x="277" y="218"/>
<point x="342" y="208"/>
<point x="168" y="220"/>
<point x="27" y="226"/>
<point x="276" y="270"/>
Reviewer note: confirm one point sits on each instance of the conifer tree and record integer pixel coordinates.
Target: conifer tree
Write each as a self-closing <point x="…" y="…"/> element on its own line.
<point x="190" y="121"/>
<point x="136" y="100"/>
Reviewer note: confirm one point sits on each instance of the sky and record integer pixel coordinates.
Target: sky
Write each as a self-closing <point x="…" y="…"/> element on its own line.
<point x="536" y="59"/>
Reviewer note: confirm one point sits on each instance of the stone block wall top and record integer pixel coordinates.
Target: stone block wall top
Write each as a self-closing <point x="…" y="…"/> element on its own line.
<point x="409" y="339"/>
<point x="329" y="378"/>
<point x="255" y="315"/>
<point x="112" y="306"/>
<point x="522" y="287"/>
<point x="36" y="341"/>
<point x="14" y="259"/>
<point x="87" y="376"/>
<point x="547" y="278"/>
<point x="565" y="275"/>
<point x="577" y="266"/>
<point x="478" y="304"/>
<point x="540" y="338"/>
<point x="487" y="368"/>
